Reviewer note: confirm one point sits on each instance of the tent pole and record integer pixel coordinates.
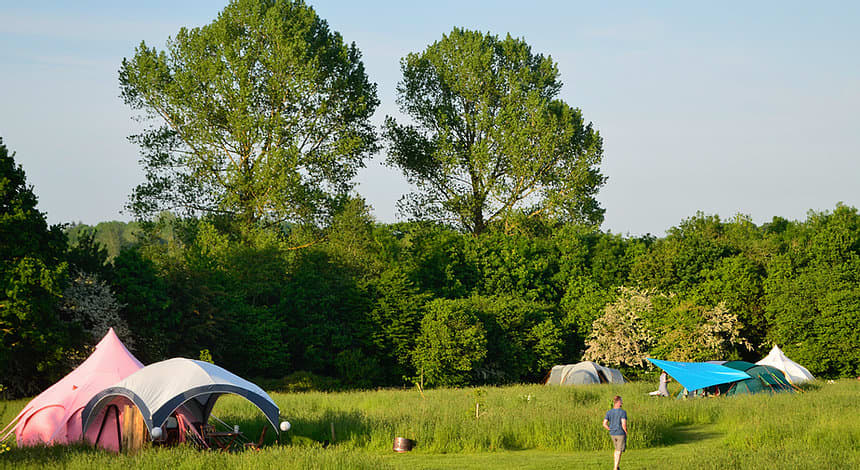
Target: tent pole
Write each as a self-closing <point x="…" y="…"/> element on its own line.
<point x="102" y="427"/>
<point x="10" y="427"/>
<point x="787" y="382"/>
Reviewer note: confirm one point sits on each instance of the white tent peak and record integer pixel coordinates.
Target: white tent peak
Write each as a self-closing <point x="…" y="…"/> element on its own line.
<point x="794" y="372"/>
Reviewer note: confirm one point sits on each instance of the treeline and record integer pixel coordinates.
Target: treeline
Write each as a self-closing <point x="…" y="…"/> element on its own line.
<point x="363" y="304"/>
<point x="113" y="236"/>
<point x="386" y="304"/>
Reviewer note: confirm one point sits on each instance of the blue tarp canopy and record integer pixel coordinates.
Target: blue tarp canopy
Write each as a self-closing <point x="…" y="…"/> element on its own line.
<point x="696" y="375"/>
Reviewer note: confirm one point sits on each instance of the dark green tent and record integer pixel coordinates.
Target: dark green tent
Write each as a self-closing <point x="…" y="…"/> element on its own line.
<point x="762" y="379"/>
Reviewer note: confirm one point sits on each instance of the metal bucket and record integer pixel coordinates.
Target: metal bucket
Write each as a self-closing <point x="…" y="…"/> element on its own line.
<point x="401" y="444"/>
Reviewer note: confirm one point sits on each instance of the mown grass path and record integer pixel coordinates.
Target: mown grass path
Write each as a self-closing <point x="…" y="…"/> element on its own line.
<point x="693" y="440"/>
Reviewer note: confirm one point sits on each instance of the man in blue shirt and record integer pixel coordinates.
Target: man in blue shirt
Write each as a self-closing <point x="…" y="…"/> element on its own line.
<point x="616" y="423"/>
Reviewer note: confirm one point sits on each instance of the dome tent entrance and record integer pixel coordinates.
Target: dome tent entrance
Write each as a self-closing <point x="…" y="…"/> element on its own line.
<point x="583" y="373"/>
<point x="160" y="389"/>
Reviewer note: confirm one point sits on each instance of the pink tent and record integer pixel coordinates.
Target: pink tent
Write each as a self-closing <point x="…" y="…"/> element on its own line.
<point x="54" y="417"/>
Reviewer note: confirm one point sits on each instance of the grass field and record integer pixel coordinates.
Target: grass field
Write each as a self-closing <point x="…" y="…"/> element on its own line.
<point x="526" y="426"/>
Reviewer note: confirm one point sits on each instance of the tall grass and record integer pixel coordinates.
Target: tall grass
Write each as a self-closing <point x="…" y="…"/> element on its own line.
<point x="183" y="457"/>
<point x="511" y="418"/>
<point x="818" y="428"/>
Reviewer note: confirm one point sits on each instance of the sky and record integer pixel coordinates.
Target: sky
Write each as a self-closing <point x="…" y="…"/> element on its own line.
<point x="727" y="108"/>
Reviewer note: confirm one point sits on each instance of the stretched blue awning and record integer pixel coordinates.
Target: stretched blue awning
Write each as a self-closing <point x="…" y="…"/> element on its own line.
<point x="696" y="375"/>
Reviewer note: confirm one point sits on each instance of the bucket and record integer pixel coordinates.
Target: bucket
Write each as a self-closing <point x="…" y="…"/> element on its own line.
<point x="401" y="444"/>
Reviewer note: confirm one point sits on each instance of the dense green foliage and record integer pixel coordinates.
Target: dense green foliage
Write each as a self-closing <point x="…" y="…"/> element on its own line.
<point x="373" y="304"/>
<point x="363" y="304"/>
<point x="262" y="114"/>
<point x="32" y="275"/>
<point x="113" y="236"/>
<point x="491" y="142"/>
<point x="812" y="293"/>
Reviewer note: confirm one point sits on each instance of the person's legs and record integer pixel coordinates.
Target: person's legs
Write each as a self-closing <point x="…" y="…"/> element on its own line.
<point x="620" y="443"/>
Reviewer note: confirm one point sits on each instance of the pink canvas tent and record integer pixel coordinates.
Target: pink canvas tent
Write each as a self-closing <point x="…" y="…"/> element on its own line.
<point x="54" y="417"/>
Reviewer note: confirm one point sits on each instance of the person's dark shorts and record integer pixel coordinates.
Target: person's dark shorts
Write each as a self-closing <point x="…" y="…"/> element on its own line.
<point x="620" y="443"/>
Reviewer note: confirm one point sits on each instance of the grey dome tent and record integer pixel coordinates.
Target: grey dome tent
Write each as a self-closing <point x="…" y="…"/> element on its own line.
<point x="583" y="373"/>
<point x="160" y="389"/>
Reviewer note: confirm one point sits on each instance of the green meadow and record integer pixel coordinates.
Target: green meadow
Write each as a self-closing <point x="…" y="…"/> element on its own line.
<point x="522" y="426"/>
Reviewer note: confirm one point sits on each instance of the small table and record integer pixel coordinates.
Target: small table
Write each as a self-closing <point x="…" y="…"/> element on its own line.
<point x="223" y="440"/>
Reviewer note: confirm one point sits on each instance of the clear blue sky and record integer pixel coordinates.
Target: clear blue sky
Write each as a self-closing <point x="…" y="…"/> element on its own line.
<point x="727" y="108"/>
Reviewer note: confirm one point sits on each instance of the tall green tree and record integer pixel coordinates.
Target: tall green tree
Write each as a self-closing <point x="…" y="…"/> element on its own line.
<point x="32" y="275"/>
<point x="490" y="141"/>
<point x="264" y="115"/>
<point x="397" y="312"/>
<point x="452" y="343"/>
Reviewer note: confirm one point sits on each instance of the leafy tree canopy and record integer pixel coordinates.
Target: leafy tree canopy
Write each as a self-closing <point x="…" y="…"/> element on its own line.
<point x="262" y="114"/>
<point x="490" y="140"/>
<point x="32" y="274"/>
<point x="452" y="343"/>
<point x="23" y="228"/>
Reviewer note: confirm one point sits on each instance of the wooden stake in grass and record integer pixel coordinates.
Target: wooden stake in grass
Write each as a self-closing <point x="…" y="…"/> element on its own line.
<point x="479" y="394"/>
<point x="332" y="432"/>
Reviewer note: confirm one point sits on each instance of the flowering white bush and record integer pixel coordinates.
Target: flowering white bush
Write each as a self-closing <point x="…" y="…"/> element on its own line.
<point x="620" y="337"/>
<point x="704" y="334"/>
<point x="89" y="301"/>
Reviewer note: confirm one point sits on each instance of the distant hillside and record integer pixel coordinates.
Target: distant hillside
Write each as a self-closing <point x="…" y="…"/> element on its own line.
<point x="114" y="235"/>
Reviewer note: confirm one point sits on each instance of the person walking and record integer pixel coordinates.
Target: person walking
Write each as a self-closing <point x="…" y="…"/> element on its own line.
<point x="616" y="423"/>
<point x="662" y="390"/>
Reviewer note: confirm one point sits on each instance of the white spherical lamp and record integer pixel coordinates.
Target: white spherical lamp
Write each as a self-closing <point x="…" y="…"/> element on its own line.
<point x="285" y="426"/>
<point x="156" y="433"/>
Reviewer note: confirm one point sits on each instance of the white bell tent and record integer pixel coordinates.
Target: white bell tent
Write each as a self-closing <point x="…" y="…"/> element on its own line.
<point x="794" y="372"/>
